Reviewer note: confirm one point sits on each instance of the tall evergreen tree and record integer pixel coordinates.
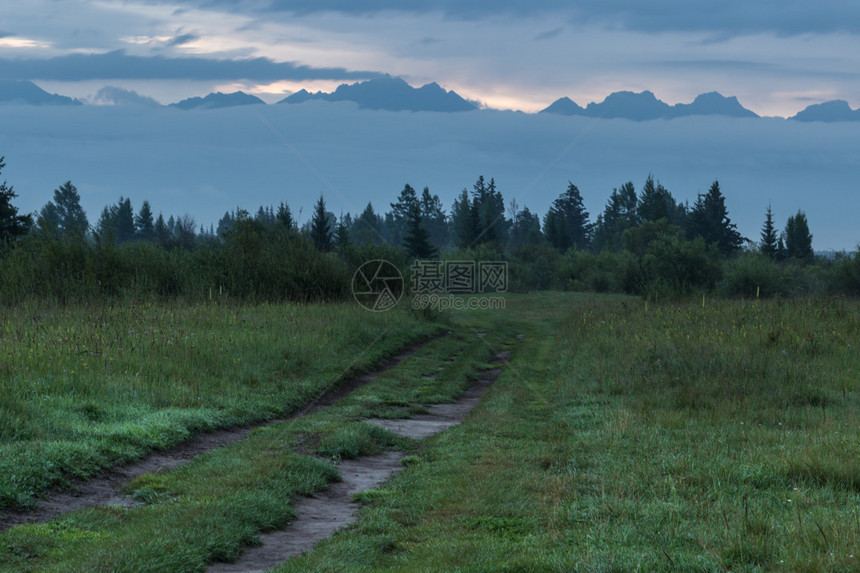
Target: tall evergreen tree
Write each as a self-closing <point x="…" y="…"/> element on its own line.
<point x="12" y="225"/>
<point x="798" y="239"/>
<point x="464" y="221"/>
<point x="656" y="202"/>
<point x="525" y="228"/>
<point x="285" y="216"/>
<point x="144" y="226"/>
<point x="342" y="240"/>
<point x="368" y="228"/>
<point x="321" y="233"/>
<point x="398" y="220"/>
<point x="434" y="220"/>
<point x="555" y="229"/>
<point x="574" y="216"/>
<point x="417" y="239"/>
<point x="709" y="219"/>
<point x="117" y="222"/>
<point x="162" y="233"/>
<point x="64" y="217"/>
<point x="618" y="216"/>
<point x="488" y="213"/>
<point x="769" y="245"/>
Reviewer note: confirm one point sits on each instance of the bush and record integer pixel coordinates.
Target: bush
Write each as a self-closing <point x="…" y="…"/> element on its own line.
<point x="752" y="274"/>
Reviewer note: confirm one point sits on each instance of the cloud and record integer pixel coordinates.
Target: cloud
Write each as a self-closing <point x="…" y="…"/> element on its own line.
<point x="729" y="16"/>
<point x="120" y="65"/>
<point x="111" y="95"/>
<point x="183" y="39"/>
<point x="549" y="34"/>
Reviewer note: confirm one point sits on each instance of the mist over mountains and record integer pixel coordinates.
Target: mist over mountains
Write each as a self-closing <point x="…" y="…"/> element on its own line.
<point x="395" y="94"/>
<point x="361" y="143"/>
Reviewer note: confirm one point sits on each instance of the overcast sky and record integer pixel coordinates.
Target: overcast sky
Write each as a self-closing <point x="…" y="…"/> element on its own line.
<point x="777" y="57"/>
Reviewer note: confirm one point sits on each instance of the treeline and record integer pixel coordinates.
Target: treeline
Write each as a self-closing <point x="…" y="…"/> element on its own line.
<point x="643" y="242"/>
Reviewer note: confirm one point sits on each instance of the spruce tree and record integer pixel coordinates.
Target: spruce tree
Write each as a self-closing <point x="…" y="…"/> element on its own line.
<point x="368" y="228"/>
<point x="285" y="216"/>
<point x="400" y="213"/>
<point x="463" y="223"/>
<point x="321" y="233"/>
<point x="417" y="239"/>
<point x="64" y="217"/>
<point x="434" y="219"/>
<point x="798" y="239"/>
<point x="12" y="225"/>
<point x="144" y="226"/>
<point x="656" y="202"/>
<point x="709" y="219"/>
<point x="769" y="246"/>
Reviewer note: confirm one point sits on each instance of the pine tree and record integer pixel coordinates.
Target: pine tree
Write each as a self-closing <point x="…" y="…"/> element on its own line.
<point x="398" y="218"/>
<point x="64" y="217"/>
<point x="368" y="228"/>
<point x="12" y="225"/>
<point x="417" y="240"/>
<point x="285" y="216"/>
<point x="434" y="219"/>
<point x="321" y="233"/>
<point x="464" y="222"/>
<point x="618" y="216"/>
<point x="144" y="227"/>
<point x="525" y="228"/>
<point x="162" y="234"/>
<point x="555" y="229"/>
<point x="342" y="239"/>
<point x="571" y="213"/>
<point x="488" y="214"/>
<point x="656" y="202"/>
<point x="798" y="239"/>
<point x="709" y="219"/>
<point x="769" y="246"/>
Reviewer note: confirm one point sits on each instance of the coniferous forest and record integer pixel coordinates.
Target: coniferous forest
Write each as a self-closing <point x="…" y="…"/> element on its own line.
<point x="644" y="242"/>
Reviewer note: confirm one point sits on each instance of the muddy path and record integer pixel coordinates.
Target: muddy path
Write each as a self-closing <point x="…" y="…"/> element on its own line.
<point x="319" y="516"/>
<point x="106" y="487"/>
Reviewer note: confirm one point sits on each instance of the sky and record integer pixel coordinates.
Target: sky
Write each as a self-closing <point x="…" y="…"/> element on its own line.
<point x="776" y="56"/>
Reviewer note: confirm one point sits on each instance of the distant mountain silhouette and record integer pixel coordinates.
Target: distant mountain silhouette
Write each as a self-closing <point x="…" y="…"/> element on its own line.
<point x="713" y="103"/>
<point x="389" y="93"/>
<point x="564" y="106"/>
<point x="26" y="92"/>
<point x="218" y="100"/>
<point x="836" y="110"/>
<point x="645" y="106"/>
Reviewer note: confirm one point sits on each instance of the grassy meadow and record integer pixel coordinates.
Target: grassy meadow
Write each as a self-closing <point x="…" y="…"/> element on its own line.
<point x="88" y="387"/>
<point x="704" y="435"/>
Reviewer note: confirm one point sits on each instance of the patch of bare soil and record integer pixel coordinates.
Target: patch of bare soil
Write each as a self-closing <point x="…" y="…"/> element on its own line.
<point x="320" y="516"/>
<point x="105" y="489"/>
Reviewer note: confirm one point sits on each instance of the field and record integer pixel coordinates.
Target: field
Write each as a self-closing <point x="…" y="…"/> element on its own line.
<point x="707" y="435"/>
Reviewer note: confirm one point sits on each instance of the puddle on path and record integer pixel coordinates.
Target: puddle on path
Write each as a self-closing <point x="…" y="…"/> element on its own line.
<point x="318" y="517"/>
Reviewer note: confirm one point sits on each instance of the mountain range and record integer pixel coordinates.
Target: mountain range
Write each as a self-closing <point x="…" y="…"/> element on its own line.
<point x="26" y="92"/>
<point x="395" y="94"/>
<point x="645" y="106"/>
<point x="218" y="100"/>
<point x="392" y="94"/>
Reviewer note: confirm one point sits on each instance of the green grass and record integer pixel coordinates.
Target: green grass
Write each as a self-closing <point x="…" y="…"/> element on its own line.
<point x="90" y="387"/>
<point x="209" y="509"/>
<point x="620" y="437"/>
